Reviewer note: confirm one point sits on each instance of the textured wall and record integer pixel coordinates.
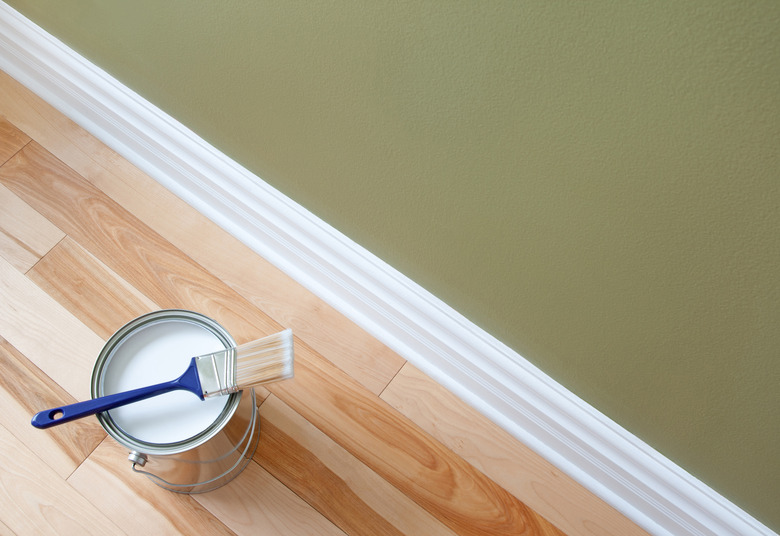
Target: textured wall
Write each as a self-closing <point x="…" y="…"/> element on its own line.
<point x="596" y="184"/>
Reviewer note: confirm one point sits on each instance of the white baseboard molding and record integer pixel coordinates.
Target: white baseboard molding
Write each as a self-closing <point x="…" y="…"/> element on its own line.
<point x="609" y="461"/>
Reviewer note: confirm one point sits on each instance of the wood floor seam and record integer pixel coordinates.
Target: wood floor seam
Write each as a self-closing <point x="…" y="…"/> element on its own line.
<point x="397" y="372"/>
<point x="67" y="478"/>
<point x="44" y="255"/>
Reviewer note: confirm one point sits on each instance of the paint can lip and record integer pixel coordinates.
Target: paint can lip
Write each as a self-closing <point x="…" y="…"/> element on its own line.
<point x="103" y="360"/>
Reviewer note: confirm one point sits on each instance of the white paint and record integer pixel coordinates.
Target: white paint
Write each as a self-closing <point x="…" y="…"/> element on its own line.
<point x="605" y="458"/>
<point x="152" y="354"/>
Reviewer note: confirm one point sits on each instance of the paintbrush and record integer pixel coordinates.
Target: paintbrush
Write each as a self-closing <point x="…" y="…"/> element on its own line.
<point x="219" y="373"/>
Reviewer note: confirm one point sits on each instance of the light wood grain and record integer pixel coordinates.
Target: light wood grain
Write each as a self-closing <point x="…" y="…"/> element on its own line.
<point x="134" y="502"/>
<point x="89" y="289"/>
<point x="324" y="474"/>
<point x="47" y="334"/>
<point x="449" y="488"/>
<point x="127" y="246"/>
<point x="326" y="330"/>
<point x="25" y="235"/>
<point x="257" y="503"/>
<point x="5" y="531"/>
<point x="499" y="455"/>
<point x="395" y="448"/>
<point x="11" y="140"/>
<point x="329" y="333"/>
<point x="308" y="478"/>
<point x="35" y="500"/>
<point x="24" y="391"/>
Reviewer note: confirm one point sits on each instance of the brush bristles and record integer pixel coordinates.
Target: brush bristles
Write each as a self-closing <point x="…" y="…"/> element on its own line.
<point x="266" y="360"/>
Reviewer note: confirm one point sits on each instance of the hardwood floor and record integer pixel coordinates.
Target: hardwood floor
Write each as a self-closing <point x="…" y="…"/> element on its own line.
<point x="359" y="442"/>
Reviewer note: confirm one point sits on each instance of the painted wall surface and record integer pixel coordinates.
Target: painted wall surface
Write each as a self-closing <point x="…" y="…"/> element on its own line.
<point x="596" y="184"/>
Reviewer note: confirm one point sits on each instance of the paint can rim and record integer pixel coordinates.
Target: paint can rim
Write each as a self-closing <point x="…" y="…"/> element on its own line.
<point x="103" y="361"/>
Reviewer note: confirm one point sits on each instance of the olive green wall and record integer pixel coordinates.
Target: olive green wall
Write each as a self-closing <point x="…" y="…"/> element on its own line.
<point x="596" y="184"/>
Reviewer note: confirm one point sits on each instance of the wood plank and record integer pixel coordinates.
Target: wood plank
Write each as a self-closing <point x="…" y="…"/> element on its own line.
<point x="89" y="289"/>
<point x="35" y="500"/>
<point x="449" y="488"/>
<point x="305" y="475"/>
<point x="360" y="355"/>
<point x="47" y="334"/>
<point x="11" y="139"/>
<point x="93" y="292"/>
<point x="25" y="235"/>
<point x="336" y="483"/>
<point x="398" y="450"/>
<point x="122" y="242"/>
<point x="502" y="457"/>
<point x="108" y="482"/>
<point x="24" y="391"/>
<point x="125" y="247"/>
<point x="327" y="331"/>
<point x="255" y="502"/>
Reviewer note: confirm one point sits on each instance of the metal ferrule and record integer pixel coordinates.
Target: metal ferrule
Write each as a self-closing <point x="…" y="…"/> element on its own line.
<point x="217" y="373"/>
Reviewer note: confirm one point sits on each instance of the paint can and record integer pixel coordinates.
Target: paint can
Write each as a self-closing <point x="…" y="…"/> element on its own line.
<point x="181" y="443"/>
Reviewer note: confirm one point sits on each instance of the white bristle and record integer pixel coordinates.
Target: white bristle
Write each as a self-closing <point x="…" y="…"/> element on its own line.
<point x="266" y="360"/>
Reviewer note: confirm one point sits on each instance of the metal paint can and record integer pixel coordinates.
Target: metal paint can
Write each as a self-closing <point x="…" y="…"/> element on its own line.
<point x="180" y="442"/>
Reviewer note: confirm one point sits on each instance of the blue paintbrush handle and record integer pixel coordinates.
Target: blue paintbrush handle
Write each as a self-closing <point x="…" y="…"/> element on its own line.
<point x="189" y="381"/>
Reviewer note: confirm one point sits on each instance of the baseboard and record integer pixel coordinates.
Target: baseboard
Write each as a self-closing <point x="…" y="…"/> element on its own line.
<point x="605" y="458"/>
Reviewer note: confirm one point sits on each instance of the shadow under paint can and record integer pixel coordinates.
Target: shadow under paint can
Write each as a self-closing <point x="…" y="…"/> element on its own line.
<point x="181" y="443"/>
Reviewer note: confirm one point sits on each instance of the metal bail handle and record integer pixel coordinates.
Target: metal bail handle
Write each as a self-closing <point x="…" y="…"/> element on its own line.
<point x="137" y="458"/>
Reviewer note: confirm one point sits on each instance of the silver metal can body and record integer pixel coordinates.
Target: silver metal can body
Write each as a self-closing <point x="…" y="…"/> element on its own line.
<point x="215" y="448"/>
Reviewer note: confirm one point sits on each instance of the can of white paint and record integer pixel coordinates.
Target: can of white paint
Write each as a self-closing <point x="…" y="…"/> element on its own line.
<point x="182" y="443"/>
